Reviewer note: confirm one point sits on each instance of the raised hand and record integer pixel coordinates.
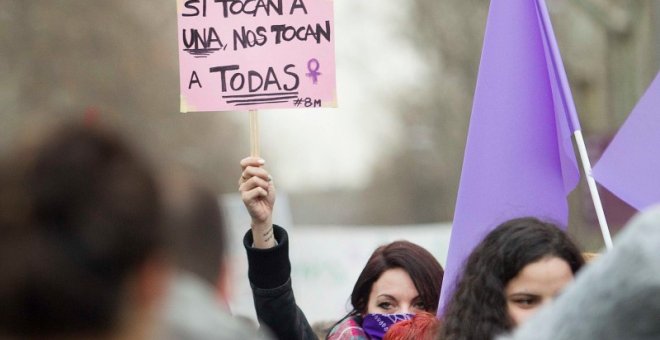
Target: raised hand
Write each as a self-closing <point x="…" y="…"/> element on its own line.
<point x="258" y="195"/>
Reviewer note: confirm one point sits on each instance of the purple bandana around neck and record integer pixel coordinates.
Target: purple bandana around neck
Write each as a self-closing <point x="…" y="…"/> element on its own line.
<point x="376" y="325"/>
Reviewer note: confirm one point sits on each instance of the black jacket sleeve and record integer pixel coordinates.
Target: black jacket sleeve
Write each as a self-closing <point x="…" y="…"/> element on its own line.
<point x="269" y="271"/>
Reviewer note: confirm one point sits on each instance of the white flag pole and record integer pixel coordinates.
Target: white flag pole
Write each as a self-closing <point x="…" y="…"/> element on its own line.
<point x="598" y="205"/>
<point x="572" y="117"/>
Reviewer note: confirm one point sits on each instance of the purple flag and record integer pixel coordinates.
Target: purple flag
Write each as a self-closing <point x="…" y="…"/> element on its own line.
<point x="519" y="159"/>
<point x="630" y="166"/>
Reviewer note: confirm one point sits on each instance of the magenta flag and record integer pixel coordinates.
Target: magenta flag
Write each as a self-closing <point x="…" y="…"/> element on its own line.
<point x="519" y="159"/>
<point x="630" y="166"/>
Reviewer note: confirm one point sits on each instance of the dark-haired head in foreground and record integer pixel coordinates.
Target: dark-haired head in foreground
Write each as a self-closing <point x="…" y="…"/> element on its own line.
<point x="81" y="239"/>
<point x="519" y="266"/>
<point x="196" y="306"/>
<point x="196" y="228"/>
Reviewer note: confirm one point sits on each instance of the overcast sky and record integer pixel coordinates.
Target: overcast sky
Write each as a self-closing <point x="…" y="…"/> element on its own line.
<point x="329" y="148"/>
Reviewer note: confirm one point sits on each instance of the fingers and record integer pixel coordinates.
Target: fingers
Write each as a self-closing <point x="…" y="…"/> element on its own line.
<point x="250" y="172"/>
<point x="255" y="183"/>
<point x="254" y="194"/>
<point x="252" y="161"/>
<point x="257" y="190"/>
<point x="252" y="167"/>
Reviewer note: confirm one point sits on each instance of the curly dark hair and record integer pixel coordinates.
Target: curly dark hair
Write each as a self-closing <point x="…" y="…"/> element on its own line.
<point x="477" y="310"/>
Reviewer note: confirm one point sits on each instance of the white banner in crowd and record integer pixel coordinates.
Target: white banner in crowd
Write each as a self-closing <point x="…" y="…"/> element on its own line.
<point x="325" y="260"/>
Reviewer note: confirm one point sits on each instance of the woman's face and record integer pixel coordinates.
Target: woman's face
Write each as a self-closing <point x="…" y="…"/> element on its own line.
<point x="394" y="293"/>
<point x="534" y="286"/>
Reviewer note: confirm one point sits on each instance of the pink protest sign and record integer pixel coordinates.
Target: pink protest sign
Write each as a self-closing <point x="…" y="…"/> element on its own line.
<point x="254" y="54"/>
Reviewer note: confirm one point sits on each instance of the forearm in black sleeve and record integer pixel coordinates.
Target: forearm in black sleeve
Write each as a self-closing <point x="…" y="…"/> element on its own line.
<point x="269" y="272"/>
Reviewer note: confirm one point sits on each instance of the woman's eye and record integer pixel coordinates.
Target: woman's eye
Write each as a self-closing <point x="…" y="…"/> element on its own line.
<point x="385" y="305"/>
<point x="420" y="305"/>
<point x="526" y="302"/>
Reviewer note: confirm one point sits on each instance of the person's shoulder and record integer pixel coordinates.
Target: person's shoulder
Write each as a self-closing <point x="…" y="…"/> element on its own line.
<point x="348" y="329"/>
<point x="192" y="312"/>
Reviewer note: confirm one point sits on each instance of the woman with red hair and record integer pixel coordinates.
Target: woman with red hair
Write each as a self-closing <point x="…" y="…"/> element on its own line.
<point x="422" y="326"/>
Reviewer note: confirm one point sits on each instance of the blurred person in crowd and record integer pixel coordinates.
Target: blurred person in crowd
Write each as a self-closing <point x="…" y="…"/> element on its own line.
<point x="520" y="266"/>
<point x="422" y="326"/>
<point x="322" y="328"/>
<point x="82" y="246"/>
<point x="590" y="257"/>
<point x="399" y="279"/>
<point x="615" y="297"/>
<point x="197" y="305"/>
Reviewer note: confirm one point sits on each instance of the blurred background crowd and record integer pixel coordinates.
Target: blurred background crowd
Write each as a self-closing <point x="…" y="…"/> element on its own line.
<point x="389" y="155"/>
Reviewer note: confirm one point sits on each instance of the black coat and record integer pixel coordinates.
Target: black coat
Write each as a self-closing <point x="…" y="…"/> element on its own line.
<point x="269" y="271"/>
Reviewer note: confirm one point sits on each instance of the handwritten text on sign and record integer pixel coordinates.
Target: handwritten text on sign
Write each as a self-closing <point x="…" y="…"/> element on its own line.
<point x="250" y="54"/>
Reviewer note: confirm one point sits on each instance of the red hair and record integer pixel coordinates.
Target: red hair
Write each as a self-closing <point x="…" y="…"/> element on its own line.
<point x="423" y="326"/>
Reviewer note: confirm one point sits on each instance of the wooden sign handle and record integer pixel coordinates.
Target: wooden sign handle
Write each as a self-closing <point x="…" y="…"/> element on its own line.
<point x="254" y="133"/>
